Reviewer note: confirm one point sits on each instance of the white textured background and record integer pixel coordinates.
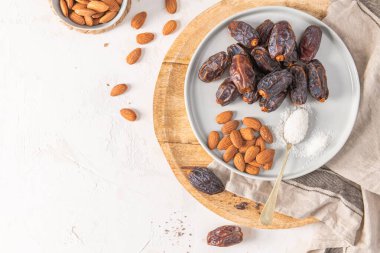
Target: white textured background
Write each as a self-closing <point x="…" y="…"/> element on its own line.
<point x="74" y="175"/>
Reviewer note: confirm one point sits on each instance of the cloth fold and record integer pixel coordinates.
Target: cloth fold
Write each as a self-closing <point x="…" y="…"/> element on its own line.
<point x="345" y="194"/>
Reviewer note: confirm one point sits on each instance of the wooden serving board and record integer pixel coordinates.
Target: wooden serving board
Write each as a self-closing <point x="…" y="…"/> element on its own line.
<point x="172" y="127"/>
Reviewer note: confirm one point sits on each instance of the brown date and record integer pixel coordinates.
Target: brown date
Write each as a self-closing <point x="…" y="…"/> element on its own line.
<point x="317" y="80"/>
<point x="251" y="97"/>
<point x="274" y="83"/>
<point x="242" y="73"/>
<point x="235" y="49"/>
<point x="298" y="88"/>
<point x="205" y="181"/>
<point x="282" y="41"/>
<point x="271" y="104"/>
<point x="263" y="60"/>
<point x="225" y="236"/>
<point x="214" y="67"/>
<point x="244" y="33"/>
<point x="227" y="92"/>
<point x="264" y="30"/>
<point x="310" y="41"/>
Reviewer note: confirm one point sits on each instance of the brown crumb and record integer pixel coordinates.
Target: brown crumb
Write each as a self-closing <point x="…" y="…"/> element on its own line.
<point x="241" y="206"/>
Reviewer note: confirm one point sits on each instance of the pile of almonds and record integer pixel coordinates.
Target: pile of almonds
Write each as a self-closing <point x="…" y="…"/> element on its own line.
<point x="90" y="12"/>
<point x="245" y="146"/>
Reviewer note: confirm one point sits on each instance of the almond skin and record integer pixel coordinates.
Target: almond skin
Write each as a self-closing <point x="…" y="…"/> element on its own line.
<point x="134" y="56"/>
<point x="169" y="27"/>
<point x="138" y="20"/>
<point x="85" y="12"/>
<point x="78" y="6"/>
<point x="213" y="140"/>
<point x="252" y="169"/>
<point x="260" y="143"/>
<point x="112" y="4"/>
<point x="144" y="38"/>
<point x="128" y="114"/>
<point x="70" y="3"/>
<point x="251" y="154"/>
<point x="265" y="156"/>
<point x="266" y="134"/>
<point x="236" y="139"/>
<point x="246" y="145"/>
<point x="171" y="6"/>
<point x="224" y="143"/>
<point x="247" y="134"/>
<point x="229" y="126"/>
<point x="253" y="123"/>
<point x="239" y="162"/>
<point x="119" y="89"/>
<point x="98" y="15"/>
<point x="76" y="18"/>
<point x="107" y="17"/>
<point x="230" y="153"/>
<point x="98" y="6"/>
<point x="224" y="117"/>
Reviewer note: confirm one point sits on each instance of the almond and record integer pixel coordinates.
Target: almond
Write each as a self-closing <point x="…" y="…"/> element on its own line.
<point x="266" y="134"/>
<point x="265" y="156"/>
<point x="83" y="1"/>
<point x="268" y="166"/>
<point x="85" y="12"/>
<point x="251" y="154"/>
<point x="89" y="20"/>
<point x="138" y="20"/>
<point x="119" y="89"/>
<point x="134" y="56"/>
<point x="96" y="21"/>
<point x="64" y="8"/>
<point x="98" y="6"/>
<point x="78" y="6"/>
<point x="246" y="145"/>
<point x="171" y="6"/>
<point x="224" y="117"/>
<point x="260" y="143"/>
<point x="119" y="1"/>
<point x="252" y="123"/>
<point x="144" y="38"/>
<point x="236" y="139"/>
<point x="230" y="153"/>
<point x="113" y="5"/>
<point x="70" y="3"/>
<point x="98" y="15"/>
<point x="108" y="17"/>
<point x="128" y="114"/>
<point x="224" y="143"/>
<point x="252" y="169"/>
<point x="169" y="27"/>
<point x="239" y="162"/>
<point x="76" y="18"/>
<point x="213" y="140"/>
<point x="247" y="134"/>
<point x="229" y="126"/>
<point x="256" y="164"/>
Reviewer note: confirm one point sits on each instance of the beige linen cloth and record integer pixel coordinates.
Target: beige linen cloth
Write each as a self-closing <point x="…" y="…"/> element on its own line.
<point x="345" y="194"/>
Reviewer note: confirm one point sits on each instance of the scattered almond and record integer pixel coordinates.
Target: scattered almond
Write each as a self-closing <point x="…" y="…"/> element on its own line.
<point x="266" y="134"/>
<point x="251" y="154"/>
<point x="236" y="139"/>
<point x="229" y="126"/>
<point x="138" y="20"/>
<point x="252" y="169"/>
<point x="85" y="12"/>
<point x="134" y="56"/>
<point x="171" y="6"/>
<point x="107" y="17"/>
<point x="78" y="6"/>
<point x="169" y="27"/>
<point x="89" y="20"/>
<point x="64" y="8"/>
<point x="213" y="140"/>
<point x="248" y="134"/>
<point x="144" y="38"/>
<point x="76" y="18"/>
<point x="70" y="3"/>
<point x="239" y="162"/>
<point x="112" y="4"/>
<point x="119" y="89"/>
<point x="224" y="143"/>
<point x="230" y="153"/>
<point x="265" y="156"/>
<point x="246" y="145"/>
<point x="224" y="117"/>
<point x="128" y="114"/>
<point x="252" y="123"/>
<point x="98" y="6"/>
<point x="260" y="143"/>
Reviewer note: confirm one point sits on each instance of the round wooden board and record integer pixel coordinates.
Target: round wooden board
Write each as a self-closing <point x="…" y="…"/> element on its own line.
<point x="172" y="127"/>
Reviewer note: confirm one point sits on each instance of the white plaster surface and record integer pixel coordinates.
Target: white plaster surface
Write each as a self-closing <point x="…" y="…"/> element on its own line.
<point x="74" y="175"/>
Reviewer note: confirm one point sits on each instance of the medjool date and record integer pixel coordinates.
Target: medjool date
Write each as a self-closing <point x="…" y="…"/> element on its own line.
<point x="274" y="83"/>
<point x="298" y="88"/>
<point x="226" y="93"/>
<point x="244" y="33"/>
<point x="271" y="104"/>
<point x="214" y="67"/>
<point x="317" y="81"/>
<point x="263" y="60"/>
<point x="282" y="41"/>
<point x="309" y="44"/>
<point x="251" y="97"/>
<point x="242" y="74"/>
<point x="264" y="30"/>
<point x="225" y="236"/>
<point x="205" y="181"/>
<point x="235" y="49"/>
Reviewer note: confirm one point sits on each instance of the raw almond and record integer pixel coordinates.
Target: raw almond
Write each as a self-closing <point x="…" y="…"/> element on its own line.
<point x="252" y="123"/>
<point x="171" y="6"/>
<point x="265" y="156"/>
<point x="98" y="15"/>
<point x="144" y="38"/>
<point x="64" y="8"/>
<point x="119" y="1"/>
<point x="213" y="140"/>
<point x="224" y="117"/>
<point x="85" y="12"/>
<point x="138" y="20"/>
<point x="83" y="2"/>
<point x="246" y="145"/>
<point x="229" y="126"/>
<point x="76" y="18"/>
<point x="230" y="153"/>
<point x="266" y="134"/>
<point x="78" y="6"/>
<point x="236" y="139"/>
<point x="134" y="56"/>
<point x="260" y="143"/>
<point x="119" y="89"/>
<point x="248" y="134"/>
<point x="252" y="169"/>
<point x="251" y="154"/>
<point x="239" y="162"/>
<point x="113" y="5"/>
<point x="224" y="143"/>
<point x="256" y="164"/>
<point x="98" y="6"/>
<point x="96" y="21"/>
<point x="128" y="114"/>
<point x="108" y="17"/>
<point x="70" y="3"/>
<point x="89" y="20"/>
<point x="169" y="27"/>
<point x="268" y="166"/>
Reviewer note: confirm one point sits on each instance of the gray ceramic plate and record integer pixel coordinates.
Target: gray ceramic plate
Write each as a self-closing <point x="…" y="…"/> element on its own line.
<point x="336" y="116"/>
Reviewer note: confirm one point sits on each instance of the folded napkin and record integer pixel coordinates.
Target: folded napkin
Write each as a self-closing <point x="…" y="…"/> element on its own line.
<point x="345" y="194"/>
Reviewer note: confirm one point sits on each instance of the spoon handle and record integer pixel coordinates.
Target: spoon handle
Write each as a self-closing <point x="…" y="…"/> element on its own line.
<point x="267" y="213"/>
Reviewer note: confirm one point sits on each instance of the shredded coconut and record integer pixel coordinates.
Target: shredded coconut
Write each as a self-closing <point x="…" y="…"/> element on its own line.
<point x="296" y="126"/>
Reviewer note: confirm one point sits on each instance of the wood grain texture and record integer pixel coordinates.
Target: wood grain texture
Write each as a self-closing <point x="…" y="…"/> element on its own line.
<point x="172" y="127"/>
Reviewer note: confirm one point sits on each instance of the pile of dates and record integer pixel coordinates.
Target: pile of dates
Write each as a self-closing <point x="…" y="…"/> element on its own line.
<point x="266" y="64"/>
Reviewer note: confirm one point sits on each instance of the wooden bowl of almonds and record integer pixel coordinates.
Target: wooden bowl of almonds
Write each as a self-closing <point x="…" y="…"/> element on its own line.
<point x="91" y="16"/>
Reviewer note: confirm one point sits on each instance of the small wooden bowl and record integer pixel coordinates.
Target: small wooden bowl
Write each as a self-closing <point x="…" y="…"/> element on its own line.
<point x="124" y="9"/>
